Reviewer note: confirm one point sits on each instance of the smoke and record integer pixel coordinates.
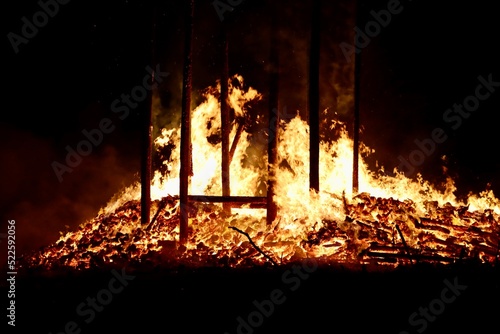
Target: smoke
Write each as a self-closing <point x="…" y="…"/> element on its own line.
<point x="250" y="50"/>
<point x="38" y="202"/>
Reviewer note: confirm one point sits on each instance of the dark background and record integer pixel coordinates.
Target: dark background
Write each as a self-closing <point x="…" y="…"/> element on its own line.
<point x="65" y="78"/>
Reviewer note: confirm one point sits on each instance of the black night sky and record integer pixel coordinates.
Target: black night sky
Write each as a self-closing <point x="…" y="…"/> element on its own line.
<point x="63" y="78"/>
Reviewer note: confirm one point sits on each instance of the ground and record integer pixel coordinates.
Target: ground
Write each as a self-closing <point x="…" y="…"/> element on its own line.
<point x="292" y="299"/>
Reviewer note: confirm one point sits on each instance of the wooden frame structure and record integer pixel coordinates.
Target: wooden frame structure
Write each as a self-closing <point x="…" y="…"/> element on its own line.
<point x="228" y="149"/>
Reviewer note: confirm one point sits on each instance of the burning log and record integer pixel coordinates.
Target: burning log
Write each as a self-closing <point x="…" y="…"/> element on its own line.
<point x="233" y="201"/>
<point x="377" y="248"/>
<point x="404" y="242"/>
<point x="431" y="258"/>
<point x="146" y="168"/>
<point x="147" y="143"/>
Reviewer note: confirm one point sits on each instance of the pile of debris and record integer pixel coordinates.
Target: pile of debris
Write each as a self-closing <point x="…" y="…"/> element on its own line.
<point x="382" y="230"/>
<point x="374" y="231"/>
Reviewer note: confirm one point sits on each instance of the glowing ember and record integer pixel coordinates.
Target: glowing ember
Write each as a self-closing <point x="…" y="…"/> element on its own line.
<point x="395" y="219"/>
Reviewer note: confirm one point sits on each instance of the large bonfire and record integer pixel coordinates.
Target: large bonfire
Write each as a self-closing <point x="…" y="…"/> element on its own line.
<point x="393" y="220"/>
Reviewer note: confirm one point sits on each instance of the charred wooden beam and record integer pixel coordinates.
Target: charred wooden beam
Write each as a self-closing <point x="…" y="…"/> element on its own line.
<point x="185" y="166"/>
<point x="225" y="121"/>
<point x="486" y="250"/>
<point x="314" y="58"/>
<point x="376" y="248"/>
<point x="435" y="228"/>
<point x="233" y="201"/>
<point x="274" y="119"/>
<point x="356" y="123"/>
<point x="360" y="223"/>
<point x="147" y="143"/>
<point x="379" y="260"/>
<point x="433" y="258"/>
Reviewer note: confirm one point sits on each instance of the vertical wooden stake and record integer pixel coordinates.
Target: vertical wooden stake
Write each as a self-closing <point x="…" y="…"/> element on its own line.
<point x="314" y="58"/>
<point x="357" y="76"/>
<point x="274" y="119"/>
<point x="225" y="121"/>
<point x="185" y="167"/>
<point x="147" y="141"/>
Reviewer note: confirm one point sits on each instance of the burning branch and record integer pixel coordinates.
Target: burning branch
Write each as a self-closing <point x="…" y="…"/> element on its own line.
<point x="185" y="154"/>
<point x="161" y="206"/>
<point x="253" y="244"/>
<point x="404" y="243"/>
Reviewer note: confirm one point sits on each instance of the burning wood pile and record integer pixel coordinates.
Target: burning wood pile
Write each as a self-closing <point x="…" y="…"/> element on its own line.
<point x="390" y="231"/>
<point x="395" y="220"/>
<point x="375" y="231"/>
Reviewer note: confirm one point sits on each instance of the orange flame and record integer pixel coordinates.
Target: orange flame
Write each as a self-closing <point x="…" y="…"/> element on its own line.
<point x="333" y="224"/>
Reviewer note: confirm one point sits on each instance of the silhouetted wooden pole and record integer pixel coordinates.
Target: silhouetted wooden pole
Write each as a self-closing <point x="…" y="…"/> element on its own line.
<point x="274" y="119"/>
<point x="314" y="57"/>
<point x="185" y="167"/>
<point x="357" y="76"/>
<point x="225" y="121"/>
<point x="147" y="141"/>
<point x="146" y="167"/>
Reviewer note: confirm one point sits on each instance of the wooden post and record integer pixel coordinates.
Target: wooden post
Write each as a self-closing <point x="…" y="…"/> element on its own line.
<point x="357" y="76"/>
<point x="233" y="201"/>
<point x="225" y="121"/>
<point x="274" y="119"/>
<point x="146" y="167"/>
<point x="314" y="57"/>
<point x="185" y="167"/>
<point x="147" y="141"/>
